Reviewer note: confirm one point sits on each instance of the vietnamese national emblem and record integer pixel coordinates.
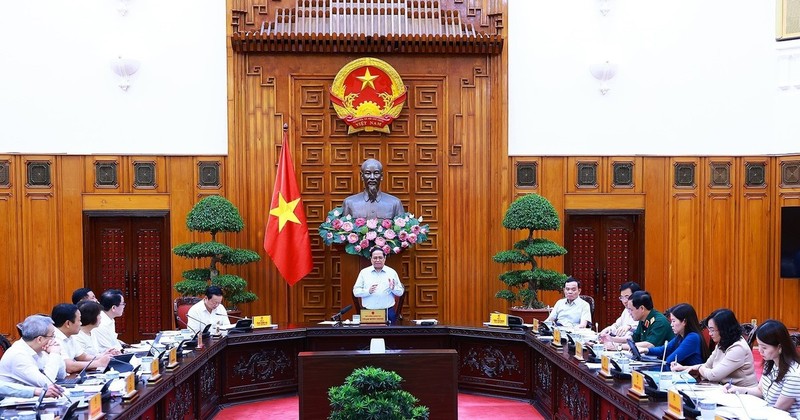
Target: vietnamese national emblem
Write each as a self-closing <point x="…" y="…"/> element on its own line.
<point x="368" y="94"/>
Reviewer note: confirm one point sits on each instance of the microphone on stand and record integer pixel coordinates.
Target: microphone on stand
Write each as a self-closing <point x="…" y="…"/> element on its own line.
<point x="232" y="316"/>
<point x="689" y="403"/>
<point x="198" y="339"/>
<point x="338" y="316"/>
<point x="58" y="387"/>
<point x="244" y="324"/>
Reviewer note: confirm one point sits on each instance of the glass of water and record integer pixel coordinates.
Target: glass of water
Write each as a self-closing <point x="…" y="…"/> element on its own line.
<point x="707" y="409"/>
<point x="665" y="382"/>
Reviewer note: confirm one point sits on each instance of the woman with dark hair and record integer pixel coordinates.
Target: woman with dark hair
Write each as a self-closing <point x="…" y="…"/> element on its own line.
<point x="732" y="360"/>
<point x="90" y="319"/>
<point x="687" y="346"/>
<point x="780" y="381"/>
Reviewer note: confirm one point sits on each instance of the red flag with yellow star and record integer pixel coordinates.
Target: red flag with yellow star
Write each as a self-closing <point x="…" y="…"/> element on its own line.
<point x="286" y="239"/>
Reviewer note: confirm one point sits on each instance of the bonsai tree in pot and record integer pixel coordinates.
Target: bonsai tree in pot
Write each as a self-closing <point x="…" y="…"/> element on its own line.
<point x="533" y="213"/>
<point x="215" y="214"/>
<point x="371" y="393"/>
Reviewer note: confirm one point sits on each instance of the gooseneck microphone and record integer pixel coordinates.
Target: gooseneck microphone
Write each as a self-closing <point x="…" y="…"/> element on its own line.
<point x="338" y="316"/>
<point x="232" y="316"/>
<point x="58" y="387"/>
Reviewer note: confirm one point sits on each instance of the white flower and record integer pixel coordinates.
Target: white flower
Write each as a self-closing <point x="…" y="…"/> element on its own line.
<point x="420" y="219"/>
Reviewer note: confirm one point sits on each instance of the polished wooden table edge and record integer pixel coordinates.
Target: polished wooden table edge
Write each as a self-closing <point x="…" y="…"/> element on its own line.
<point x="589" y="377"/>
<point x="193" y="362"/>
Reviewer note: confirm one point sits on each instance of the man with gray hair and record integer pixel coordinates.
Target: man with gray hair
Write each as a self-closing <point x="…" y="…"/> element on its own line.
<point x="34" y="359"/>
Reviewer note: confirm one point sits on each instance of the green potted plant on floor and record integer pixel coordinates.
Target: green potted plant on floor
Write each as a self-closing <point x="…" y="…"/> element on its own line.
<point x="215" y="214"/>
<point x="371" y="393"/>
<point x="530" y="213"/>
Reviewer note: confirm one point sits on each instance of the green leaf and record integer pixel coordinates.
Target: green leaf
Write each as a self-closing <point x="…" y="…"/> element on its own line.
<point x="533" y="212"/>
<point x="214" y="214"/>
<point x="239" y="257"/>
<point x="198" y="274"/>
<point x="201" y="249"/>
<point x="513" y="257"/>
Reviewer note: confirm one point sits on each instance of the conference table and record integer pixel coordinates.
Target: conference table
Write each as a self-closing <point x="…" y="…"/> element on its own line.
<point x="498" y="362"/>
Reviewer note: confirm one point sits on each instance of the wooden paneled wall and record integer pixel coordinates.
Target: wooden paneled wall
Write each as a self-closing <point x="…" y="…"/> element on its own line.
<point x="712" y="225"/>
<point x="42" y="200"/>
<point x="711" y="237"/>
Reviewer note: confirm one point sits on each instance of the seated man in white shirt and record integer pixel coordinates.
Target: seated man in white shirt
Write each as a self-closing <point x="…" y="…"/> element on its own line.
<point x="571" y="311"/>
<point x="67" y="320"/>
<point x="624" y="326"/>
<point x="106" y="334"/>
<point x="208" y="311"/>
<point x="35" y="359"/>
<point x="377" y="285"/>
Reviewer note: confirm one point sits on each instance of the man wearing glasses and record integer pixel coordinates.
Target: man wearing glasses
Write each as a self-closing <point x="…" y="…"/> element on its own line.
<point x="623" y="327"/>
<point x="113" y="306"/>
<point x="377" y="285"/>
<point x="35" y="359"/>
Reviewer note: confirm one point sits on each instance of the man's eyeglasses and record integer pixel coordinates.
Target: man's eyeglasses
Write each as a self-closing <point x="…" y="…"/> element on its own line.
<point x="711" y="330"/>
<point x="49" y="336"/>
<point x="625" y="298"/>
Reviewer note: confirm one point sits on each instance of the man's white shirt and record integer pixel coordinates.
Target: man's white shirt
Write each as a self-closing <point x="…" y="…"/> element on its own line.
<point x="199" y="317"/>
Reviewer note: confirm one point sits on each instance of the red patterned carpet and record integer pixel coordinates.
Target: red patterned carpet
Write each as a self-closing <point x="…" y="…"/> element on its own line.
<point x="469" y="407"/>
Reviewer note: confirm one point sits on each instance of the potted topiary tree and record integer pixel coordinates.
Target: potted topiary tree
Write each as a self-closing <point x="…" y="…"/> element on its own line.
<point x="215" y="214"/>
<point x="371" y="393"/>
<point x="531" y="212"/>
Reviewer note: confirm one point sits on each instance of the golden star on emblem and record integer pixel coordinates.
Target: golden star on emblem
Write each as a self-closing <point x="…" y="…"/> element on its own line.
<point x="285" y="212"/>
<point x="367" y="79"/>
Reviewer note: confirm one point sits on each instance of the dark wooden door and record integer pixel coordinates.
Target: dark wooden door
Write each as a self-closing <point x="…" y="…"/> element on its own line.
<point x="604" y="251"/>
<point x="131" y="253"/>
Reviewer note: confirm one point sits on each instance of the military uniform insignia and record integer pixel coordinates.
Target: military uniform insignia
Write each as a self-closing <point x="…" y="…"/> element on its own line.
<point x="368" y="94"/>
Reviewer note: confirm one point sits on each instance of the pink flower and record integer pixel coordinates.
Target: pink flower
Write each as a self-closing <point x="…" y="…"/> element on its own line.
<point x="404" y="244"/>
<point x="361" y="221"/>
<point x="386" y="223"/>
<point x="387" y="249"/>
<point x="329" y="235"/>
<point x="347" y="226"/>
<point x="364" y="244"/>
<point x="389" y="234"/>
<point x="415" y="229"/>
<point x="380" y="241"/>
<point x="403" y="235"/>
<point x="371" y="235"/>
<point x="400" y="222"/>
<point x="357" y="248"/>
<point x="372" y="223"/>
<point x="396" y="250"/>
<point x="337" y="223"/>
<point x="412" y="238"/>
<point x="352" y="238"/>
<point x="423" y="231"/>
<point x="342" y="238"/>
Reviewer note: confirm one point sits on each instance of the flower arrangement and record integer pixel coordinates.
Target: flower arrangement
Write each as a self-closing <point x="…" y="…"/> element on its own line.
<point x="360" y="234"/>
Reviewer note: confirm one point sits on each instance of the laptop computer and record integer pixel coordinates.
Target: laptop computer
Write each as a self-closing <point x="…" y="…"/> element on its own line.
<point x="71" y="382"/>
<point x="639" y="356"/>
<point x="121" y="363"/>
